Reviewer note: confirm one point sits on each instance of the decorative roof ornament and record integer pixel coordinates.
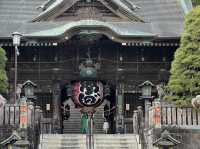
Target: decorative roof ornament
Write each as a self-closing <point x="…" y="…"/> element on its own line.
<point x="166" y="140"/>
<point x="131" y="5"/>
<point x="146" y="83"/>
<point x="46" y="4"/>
<point x="29" y="82"/>
<point x="13" y="138"/>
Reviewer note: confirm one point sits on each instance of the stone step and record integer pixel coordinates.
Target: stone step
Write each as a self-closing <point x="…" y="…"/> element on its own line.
<point x="78" y="141"/>
<point x="72" y="125"/>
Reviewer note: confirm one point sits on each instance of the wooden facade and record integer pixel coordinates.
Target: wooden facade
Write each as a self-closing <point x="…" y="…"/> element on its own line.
<point x="130" y="45"/>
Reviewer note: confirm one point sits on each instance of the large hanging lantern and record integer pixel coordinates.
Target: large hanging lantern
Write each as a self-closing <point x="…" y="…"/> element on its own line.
<point x="87" y="93"/>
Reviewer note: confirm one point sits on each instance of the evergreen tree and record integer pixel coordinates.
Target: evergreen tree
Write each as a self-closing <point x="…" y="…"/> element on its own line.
<point x="3" y="75"/>
<point x="196" y="2"/>
<point x="184" y="82"/>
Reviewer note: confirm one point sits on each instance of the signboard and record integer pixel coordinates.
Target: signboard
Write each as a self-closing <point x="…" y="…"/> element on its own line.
<point x="48" y="107"/>
<point x="127" y="107"/>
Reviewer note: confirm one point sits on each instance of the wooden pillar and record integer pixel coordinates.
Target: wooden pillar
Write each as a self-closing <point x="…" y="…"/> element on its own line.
<point x="119" y="114"/>
<point x="56" y="107"/>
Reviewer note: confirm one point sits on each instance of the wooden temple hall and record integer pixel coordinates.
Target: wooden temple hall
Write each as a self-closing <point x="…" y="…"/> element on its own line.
<point x="125" y="42"/>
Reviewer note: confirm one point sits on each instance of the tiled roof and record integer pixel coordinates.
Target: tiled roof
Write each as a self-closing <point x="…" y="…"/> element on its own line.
<point x="165" y="16"/>
<point x="19" y="10"/>
<point x="160" y="10"/>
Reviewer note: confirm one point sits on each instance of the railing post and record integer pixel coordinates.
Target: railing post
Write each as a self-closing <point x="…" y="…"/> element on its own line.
<point x="157" y="114"/>
<point x="23" y="143"/>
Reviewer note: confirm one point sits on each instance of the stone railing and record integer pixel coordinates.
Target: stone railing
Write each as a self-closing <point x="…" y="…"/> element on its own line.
<point x="157" y="116"/>
<point x="24" y="120"/>
<point x="11" y="114"/>
<point x="165" y="116"/>
<point x="149" y="123"/>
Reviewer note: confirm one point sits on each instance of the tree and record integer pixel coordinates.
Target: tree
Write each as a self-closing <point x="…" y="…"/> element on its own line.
<point x="184" y="82"/>
<point x="3" y="75"/>
<point x="195" y="2"/>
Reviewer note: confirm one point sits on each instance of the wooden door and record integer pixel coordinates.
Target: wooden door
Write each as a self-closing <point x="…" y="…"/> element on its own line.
<point x="131" y="102"/>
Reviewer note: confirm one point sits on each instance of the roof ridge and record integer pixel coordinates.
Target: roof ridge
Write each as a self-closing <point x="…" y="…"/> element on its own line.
<point x="130" y="5"/>
<point x="46" y="4"/>
<point x="126" y="8"/>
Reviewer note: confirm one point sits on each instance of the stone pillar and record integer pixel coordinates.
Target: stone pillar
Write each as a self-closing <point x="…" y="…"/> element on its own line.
<point x="30" y="114"/>
<point x="135" y="122"/>
<point x="56" y="107"/>
<point x="37" y="117"/>
<point x="147" y="106"/>
<point x="119" y="114"/>
<point x="23" y="131"/>
<point x="140" y="119"/>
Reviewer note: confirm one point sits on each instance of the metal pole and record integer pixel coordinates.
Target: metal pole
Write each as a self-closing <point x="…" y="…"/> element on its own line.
<point x="90" y="132"/>
<point x="16" y="52"/>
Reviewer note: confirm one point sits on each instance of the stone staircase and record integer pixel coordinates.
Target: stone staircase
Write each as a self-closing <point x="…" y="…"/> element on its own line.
<point x="62" y="141"/>
<point x="78" y="141"/>
<point x="116" y="141"/>
<point x="72" y="125"/>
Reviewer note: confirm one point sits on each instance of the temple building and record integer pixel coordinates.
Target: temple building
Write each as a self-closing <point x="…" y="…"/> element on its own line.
<point x="124" y="43"/>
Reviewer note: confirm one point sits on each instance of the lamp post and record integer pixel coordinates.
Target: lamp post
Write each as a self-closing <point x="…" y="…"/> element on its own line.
<point x="16" y="42"/>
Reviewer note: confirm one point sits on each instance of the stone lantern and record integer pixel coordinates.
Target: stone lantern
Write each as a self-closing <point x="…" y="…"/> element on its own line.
<point x="29" y="88"/>
<point x="146" y="88"/>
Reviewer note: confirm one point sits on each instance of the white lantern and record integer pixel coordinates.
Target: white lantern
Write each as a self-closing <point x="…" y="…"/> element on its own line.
<point x="16" y="38"/>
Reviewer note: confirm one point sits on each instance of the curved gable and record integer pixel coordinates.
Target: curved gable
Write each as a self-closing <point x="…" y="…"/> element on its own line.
<point x="55" y="8"/>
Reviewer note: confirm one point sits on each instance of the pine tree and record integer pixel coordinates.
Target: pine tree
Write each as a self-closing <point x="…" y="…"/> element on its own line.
<point x="3" y="75"/>
<point x="184" y="82"/>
